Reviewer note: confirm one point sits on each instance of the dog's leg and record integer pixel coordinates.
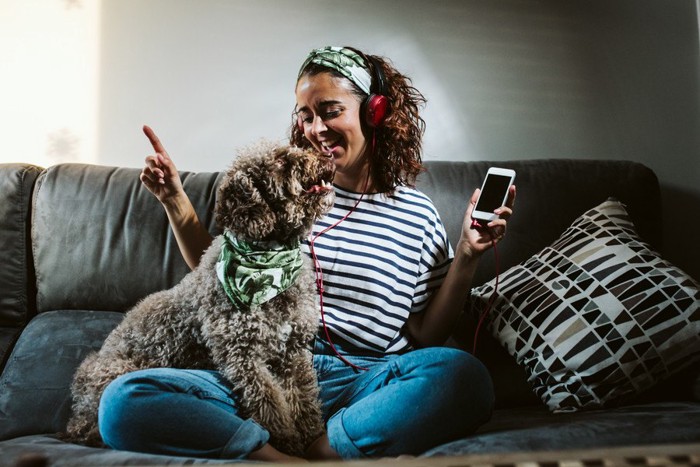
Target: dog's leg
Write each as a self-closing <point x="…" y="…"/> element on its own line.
<point x="89" y="382"/>
<point x="302" y="392"/>
<point x="82" y="425"/>
<point x="263" y="399"/>
<point x="242" y="362"/>
<point x="300" y="381"/>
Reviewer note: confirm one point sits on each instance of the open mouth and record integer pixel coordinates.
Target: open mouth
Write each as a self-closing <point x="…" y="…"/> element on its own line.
<point x="327" y="147"/>
<point x="323" y="184"/>
<point x="321" y="187"/>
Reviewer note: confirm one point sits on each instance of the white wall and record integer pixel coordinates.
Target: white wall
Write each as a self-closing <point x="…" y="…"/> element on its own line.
<point x="505" y="79"/>
<point x="49" y="80"/>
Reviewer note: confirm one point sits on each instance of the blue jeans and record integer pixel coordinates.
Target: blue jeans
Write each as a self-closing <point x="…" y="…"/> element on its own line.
<point x="402" y="404"/>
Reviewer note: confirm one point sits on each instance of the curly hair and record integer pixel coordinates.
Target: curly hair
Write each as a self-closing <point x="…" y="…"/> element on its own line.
<point x="397" y="158"/>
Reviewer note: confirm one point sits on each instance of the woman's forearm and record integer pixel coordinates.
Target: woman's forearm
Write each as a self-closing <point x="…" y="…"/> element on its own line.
<point x="436" y="323"/>
<point x="191" y="236"/>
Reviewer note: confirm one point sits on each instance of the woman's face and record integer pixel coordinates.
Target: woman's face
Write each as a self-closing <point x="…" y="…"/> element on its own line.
<point x="329" y="113"/>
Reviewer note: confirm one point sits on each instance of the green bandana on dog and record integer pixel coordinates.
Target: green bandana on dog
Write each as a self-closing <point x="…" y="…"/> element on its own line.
<point x="253" y="274"/>
<point x="345" y="61"/>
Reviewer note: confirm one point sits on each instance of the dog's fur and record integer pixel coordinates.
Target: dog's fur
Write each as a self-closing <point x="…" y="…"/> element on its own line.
<point x="269" y="194"/>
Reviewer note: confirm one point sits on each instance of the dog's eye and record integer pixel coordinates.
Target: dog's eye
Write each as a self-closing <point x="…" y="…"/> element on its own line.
<point x="281" y="160"/>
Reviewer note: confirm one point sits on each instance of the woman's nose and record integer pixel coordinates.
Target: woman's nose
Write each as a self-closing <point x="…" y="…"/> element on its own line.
<point x="318" y="125"/>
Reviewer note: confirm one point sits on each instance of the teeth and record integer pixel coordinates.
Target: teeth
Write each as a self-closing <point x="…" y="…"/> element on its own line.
<point x="327" y="145"/>
<point x="322" y="186"/>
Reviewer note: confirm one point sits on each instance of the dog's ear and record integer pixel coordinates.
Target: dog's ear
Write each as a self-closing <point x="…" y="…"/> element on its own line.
<point x="241" y="208"/>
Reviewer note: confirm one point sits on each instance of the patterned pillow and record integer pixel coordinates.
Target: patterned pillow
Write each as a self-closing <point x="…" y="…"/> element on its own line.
<point x="595" y="316"/>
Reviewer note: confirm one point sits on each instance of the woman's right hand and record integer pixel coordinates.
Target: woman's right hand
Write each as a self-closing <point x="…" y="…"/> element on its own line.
<point x="160" y="176"/>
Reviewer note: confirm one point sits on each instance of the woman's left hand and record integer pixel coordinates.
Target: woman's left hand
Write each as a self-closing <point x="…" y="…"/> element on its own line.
<point x="436" y="324"/>
<point x="476" y="240"/>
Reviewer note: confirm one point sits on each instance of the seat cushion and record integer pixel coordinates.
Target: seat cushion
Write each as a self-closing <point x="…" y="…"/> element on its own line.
<point x="35" y="386"/>
<point x="57" y="452"/>
<point x="536" y="429"/>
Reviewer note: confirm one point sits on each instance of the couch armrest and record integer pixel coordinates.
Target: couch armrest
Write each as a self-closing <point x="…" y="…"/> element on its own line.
<point x="17" y="293"/>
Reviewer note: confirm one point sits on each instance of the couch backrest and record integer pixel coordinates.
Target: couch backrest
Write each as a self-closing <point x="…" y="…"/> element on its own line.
<point x="101" y="241"/>
<point x="550" y="195"/>
<point x="17" y="291"/>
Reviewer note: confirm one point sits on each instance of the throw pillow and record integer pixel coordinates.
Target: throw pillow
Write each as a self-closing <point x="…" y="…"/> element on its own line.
<point x="595" y="316"/>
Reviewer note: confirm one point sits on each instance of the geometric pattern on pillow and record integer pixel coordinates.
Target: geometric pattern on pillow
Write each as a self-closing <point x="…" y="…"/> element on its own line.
<point x="595" y="316"/>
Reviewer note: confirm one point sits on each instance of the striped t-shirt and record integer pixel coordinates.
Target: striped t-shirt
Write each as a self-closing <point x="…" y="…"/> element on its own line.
<point x="379" y="265"/>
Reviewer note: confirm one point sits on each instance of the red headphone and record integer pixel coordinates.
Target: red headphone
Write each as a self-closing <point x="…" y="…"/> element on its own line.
<point x="376" y="104"/>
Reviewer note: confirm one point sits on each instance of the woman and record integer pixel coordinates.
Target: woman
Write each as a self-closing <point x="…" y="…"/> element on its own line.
<point x="392" y="291"/>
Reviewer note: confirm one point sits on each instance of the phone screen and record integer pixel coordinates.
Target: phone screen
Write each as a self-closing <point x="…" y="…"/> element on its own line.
<point x="495" y="188"/>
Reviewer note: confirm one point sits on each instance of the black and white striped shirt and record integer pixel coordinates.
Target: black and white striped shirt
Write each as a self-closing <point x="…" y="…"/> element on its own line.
<point x="379" y="265"/>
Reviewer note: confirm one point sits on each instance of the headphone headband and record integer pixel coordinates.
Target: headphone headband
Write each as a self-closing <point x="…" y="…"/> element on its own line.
<point x="376" y="106"/>
<point x="377" y="85"/>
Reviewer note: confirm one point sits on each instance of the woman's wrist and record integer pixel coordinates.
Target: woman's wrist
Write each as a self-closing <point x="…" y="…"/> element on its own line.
<point x="178" y="207"/>
<point x="465" y="253"/>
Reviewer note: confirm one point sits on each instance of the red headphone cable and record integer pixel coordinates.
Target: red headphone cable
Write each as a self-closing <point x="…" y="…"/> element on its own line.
<point x="492" y="299"/>
<point x="319" y="275"/>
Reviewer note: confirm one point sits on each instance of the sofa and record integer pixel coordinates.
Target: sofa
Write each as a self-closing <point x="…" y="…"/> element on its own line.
<point x="81" y="244"/>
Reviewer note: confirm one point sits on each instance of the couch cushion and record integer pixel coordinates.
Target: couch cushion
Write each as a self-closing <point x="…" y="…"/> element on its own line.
<point x="536" y="429"/>
<point x="511" y="430"/>
<point x="596" y="316"/>
<point x="35" y="386"/>
<point x="16" y="274"/>
<point x="102" y="241"/>
<point x="57" y="452"/>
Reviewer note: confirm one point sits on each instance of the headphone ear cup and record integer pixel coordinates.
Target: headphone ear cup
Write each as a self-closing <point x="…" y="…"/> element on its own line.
<point x="375" y="110"/>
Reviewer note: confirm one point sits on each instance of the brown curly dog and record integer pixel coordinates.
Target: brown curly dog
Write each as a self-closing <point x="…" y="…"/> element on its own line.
<point x="270" y="197"/>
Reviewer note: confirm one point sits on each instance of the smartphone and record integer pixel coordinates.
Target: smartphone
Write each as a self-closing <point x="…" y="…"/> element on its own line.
<point x="494" y="192"/>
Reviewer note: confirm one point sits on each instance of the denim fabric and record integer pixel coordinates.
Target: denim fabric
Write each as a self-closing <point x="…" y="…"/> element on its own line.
<point x="176" y="412"/>
<point x="401" y="404"/>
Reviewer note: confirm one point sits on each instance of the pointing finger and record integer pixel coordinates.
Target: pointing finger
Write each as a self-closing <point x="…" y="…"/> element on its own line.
<point x="155" y="141"/>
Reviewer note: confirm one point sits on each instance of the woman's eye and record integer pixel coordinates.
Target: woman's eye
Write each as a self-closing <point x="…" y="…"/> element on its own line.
<point x="329" y="114"/>
<point x="308" y="119"/>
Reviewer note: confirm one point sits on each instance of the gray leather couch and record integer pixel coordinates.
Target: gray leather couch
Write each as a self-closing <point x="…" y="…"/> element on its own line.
<point x="81" y="244"/>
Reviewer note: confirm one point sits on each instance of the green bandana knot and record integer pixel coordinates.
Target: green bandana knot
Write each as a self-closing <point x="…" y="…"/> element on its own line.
<point x="252" y="274"/>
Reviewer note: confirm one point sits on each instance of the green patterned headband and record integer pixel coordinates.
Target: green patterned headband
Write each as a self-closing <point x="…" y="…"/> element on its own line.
<point x="345" y="61"/>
